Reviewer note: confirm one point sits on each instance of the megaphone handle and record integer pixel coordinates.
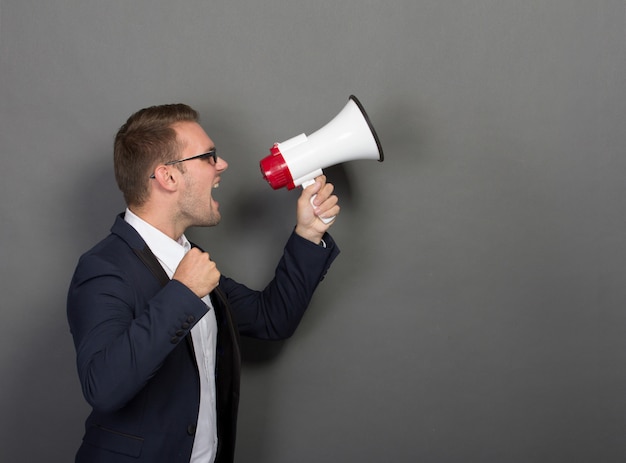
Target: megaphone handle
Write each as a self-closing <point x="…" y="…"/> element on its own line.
<point x="326" y="220"/>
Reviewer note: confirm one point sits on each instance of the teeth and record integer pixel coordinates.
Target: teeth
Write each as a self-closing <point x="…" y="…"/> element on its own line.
<point x="217" y="185"/>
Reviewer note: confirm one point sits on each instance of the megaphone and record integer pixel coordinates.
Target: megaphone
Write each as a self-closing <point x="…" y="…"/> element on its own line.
<point x="297" y="161"/>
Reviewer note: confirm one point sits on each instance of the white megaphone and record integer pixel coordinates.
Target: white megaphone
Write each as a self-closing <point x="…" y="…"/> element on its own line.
<point x="347" y="137"/>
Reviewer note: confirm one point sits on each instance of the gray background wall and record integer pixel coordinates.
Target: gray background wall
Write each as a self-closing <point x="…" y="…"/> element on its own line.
<point x="476" y="313"/>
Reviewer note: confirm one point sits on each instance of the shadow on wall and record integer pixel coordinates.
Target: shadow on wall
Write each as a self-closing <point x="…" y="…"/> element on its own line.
<point x="402" y="133"/>
<point x="362" y="186"/>
<point x="253" y="213"/>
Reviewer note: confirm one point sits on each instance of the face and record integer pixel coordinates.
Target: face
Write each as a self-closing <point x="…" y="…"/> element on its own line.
<point x="200" y="178"/>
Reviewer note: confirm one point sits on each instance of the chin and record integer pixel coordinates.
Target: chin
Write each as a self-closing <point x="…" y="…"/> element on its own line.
<point x="213" y="220"/>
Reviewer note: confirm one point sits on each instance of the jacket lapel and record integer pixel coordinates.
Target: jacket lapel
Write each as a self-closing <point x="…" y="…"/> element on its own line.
<point x="150" y="261"/>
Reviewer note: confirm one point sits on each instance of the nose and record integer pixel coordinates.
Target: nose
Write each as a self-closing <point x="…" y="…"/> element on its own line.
<point x="221" y="165"/>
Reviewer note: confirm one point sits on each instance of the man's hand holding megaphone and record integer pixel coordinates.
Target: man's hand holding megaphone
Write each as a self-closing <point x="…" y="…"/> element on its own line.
<point x="317" y="208"/>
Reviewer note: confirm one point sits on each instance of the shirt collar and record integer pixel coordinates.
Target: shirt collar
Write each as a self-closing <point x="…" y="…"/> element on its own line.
<point x="169" y="252"/>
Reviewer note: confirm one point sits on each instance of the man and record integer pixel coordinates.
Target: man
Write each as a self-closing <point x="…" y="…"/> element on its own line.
<point x="155" y="324"/>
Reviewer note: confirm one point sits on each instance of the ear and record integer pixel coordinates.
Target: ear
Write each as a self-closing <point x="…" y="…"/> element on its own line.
<point x="166" y="177"/>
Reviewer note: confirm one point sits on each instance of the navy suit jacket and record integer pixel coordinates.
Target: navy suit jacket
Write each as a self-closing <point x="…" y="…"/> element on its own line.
<point x="131" y="328"/>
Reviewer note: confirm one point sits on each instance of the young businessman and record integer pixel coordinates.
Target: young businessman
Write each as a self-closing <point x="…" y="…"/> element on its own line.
<point x="155" y="324"/>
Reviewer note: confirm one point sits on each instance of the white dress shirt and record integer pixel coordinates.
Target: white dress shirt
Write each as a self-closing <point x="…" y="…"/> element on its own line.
<point x="204" y="335"/>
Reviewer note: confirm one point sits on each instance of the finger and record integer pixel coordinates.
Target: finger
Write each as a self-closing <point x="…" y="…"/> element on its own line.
<point x="314" y="189"/>
<point x="323" y="200"/>
<point x="323" y="194"/>
<point x="329" y="210"/>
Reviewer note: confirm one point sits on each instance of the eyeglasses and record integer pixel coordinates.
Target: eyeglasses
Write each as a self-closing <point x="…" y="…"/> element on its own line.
<point x="211" y="156"/>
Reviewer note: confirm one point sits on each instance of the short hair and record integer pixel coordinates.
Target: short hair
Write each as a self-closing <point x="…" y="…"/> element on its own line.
<point x="145" y="140"/>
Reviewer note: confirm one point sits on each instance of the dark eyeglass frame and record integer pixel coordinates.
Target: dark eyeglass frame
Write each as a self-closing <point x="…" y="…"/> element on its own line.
<point x="211" y="154"/>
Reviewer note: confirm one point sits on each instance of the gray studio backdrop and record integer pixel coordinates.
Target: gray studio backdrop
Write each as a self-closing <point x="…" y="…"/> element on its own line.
<point x="477" y="311"/>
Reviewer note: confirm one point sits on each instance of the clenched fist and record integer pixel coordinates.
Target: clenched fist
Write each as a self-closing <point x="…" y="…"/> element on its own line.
<point x="198" y="272"/>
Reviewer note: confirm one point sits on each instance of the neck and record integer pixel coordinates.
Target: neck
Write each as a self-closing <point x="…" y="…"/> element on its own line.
<point x="159" y="220"/>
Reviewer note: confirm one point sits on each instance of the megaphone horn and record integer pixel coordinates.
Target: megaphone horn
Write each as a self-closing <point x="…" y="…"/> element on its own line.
<point x="297" y="161"/>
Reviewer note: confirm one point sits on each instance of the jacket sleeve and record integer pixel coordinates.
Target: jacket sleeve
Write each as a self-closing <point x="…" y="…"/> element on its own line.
<point x="276" y="311"/>
<point x="121" y="335"/>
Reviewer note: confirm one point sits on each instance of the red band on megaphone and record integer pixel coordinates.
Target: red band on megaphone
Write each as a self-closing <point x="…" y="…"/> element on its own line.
<point x="275" y="170"/>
